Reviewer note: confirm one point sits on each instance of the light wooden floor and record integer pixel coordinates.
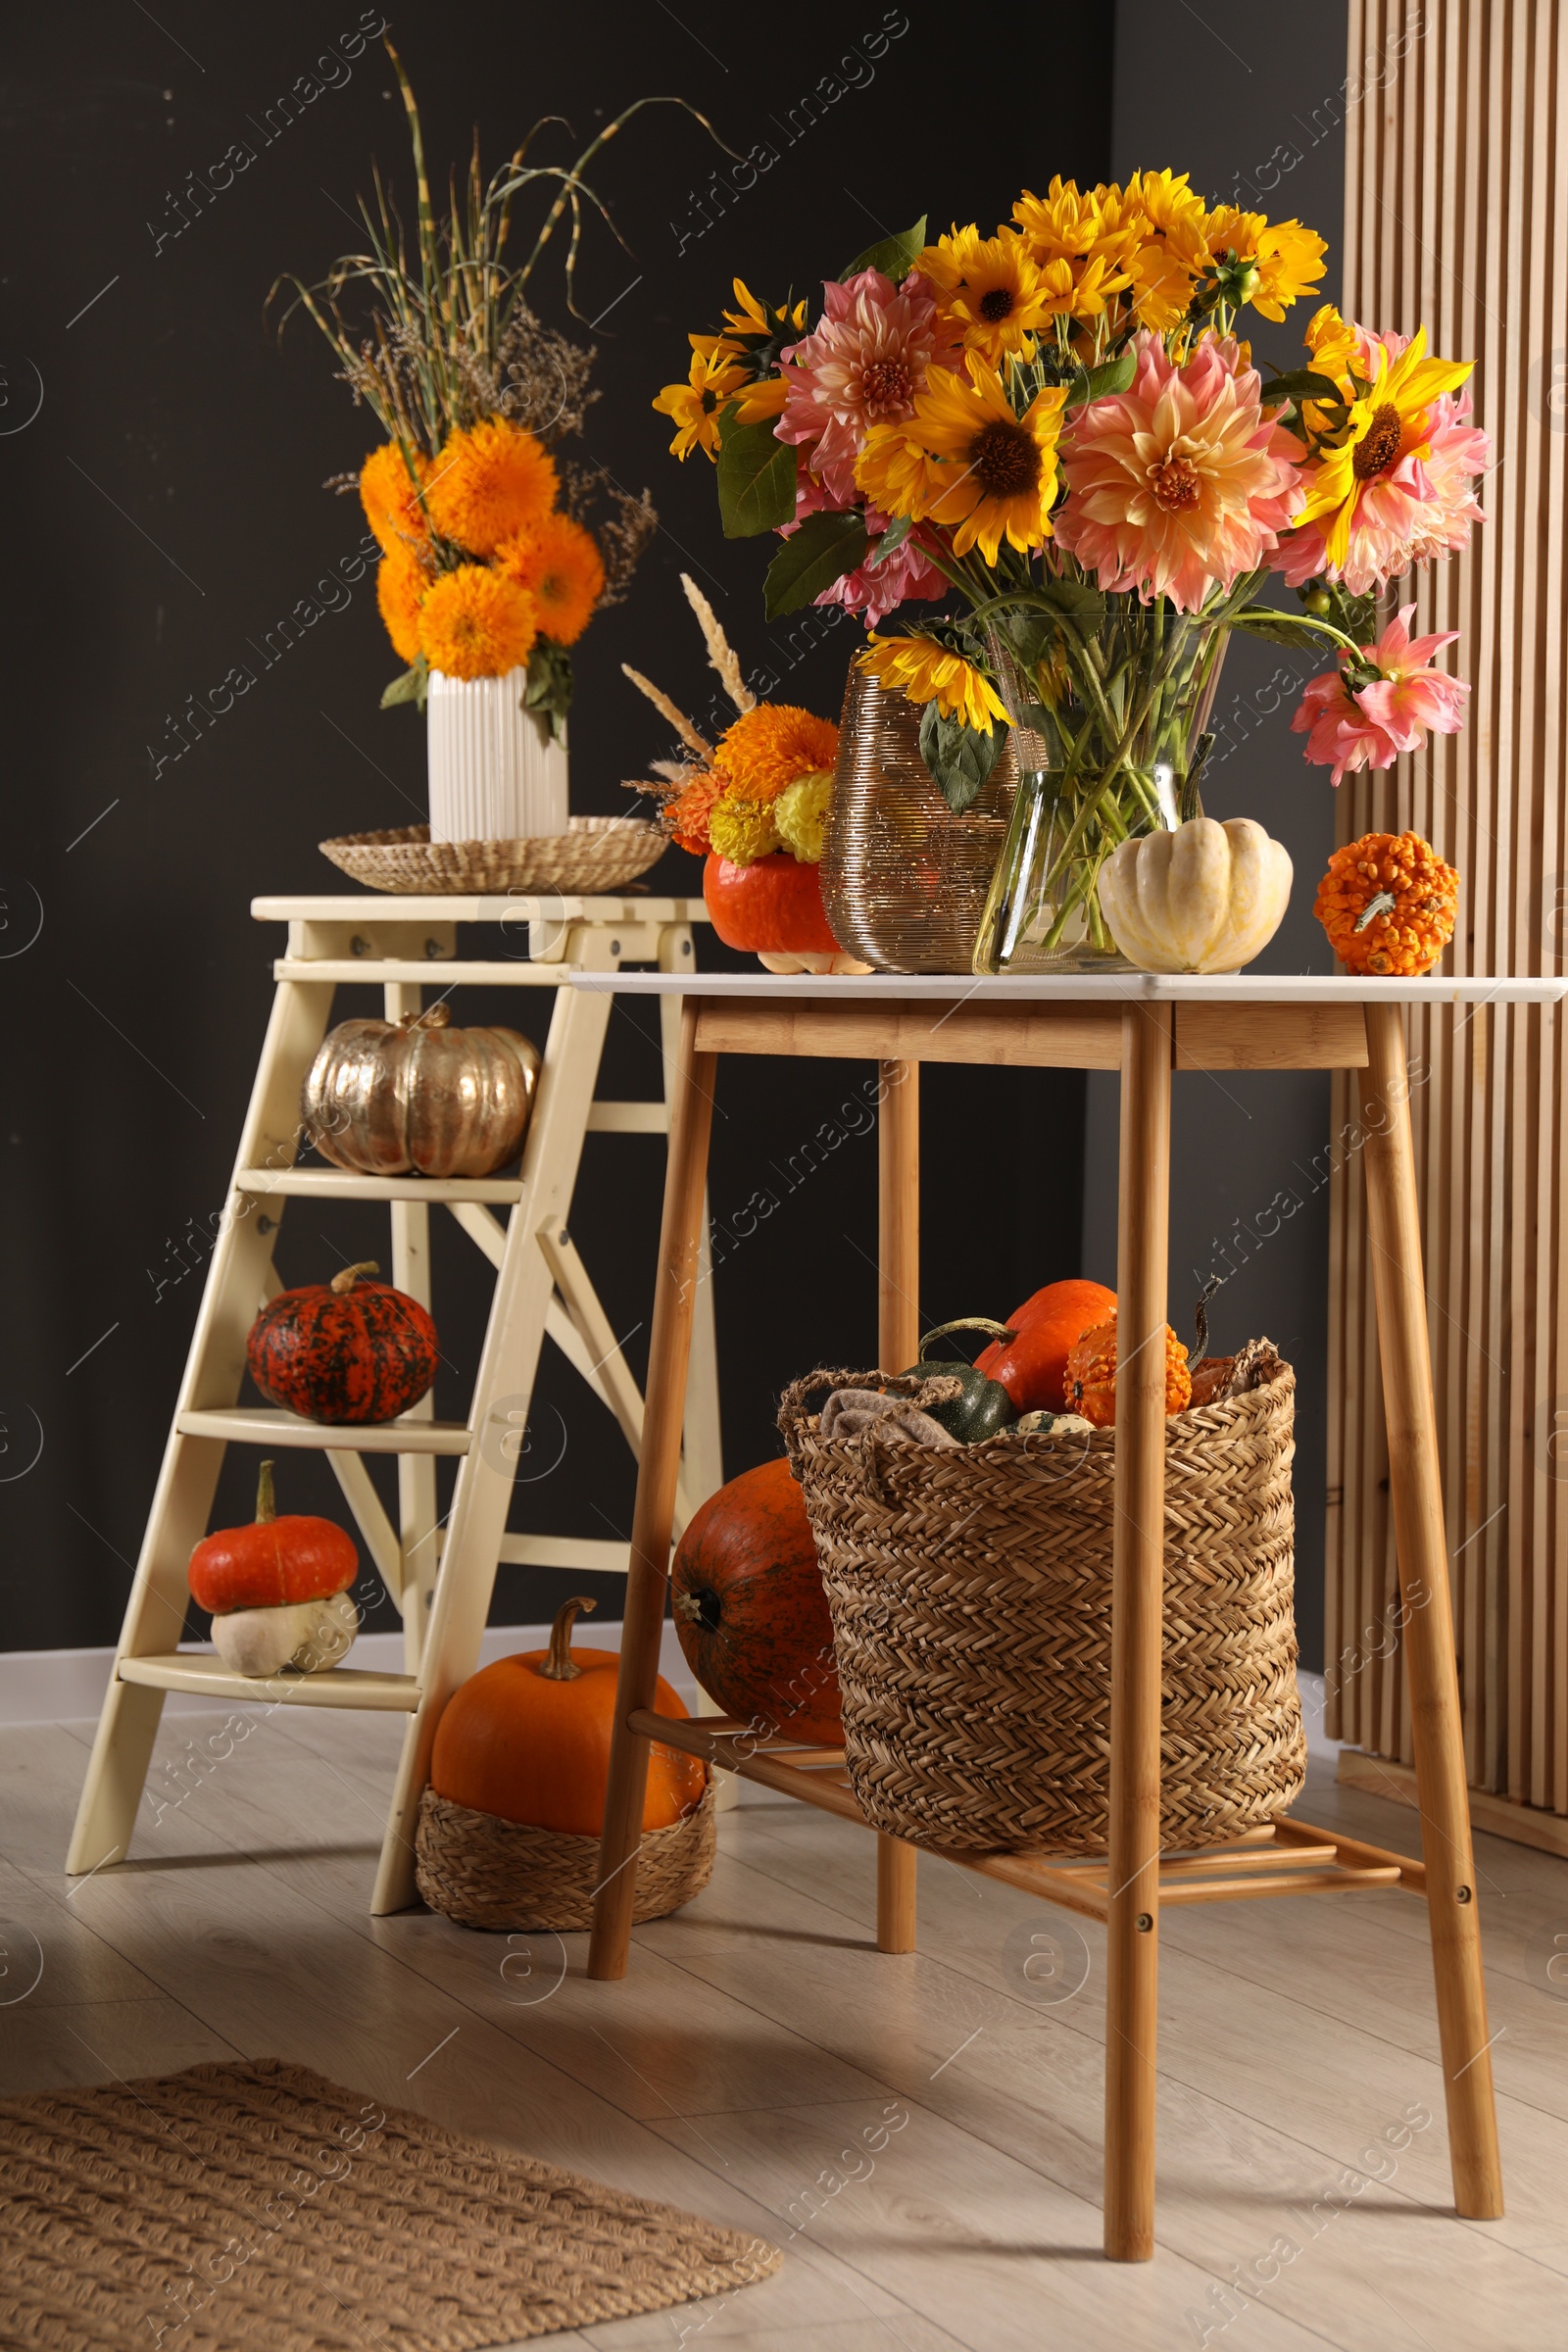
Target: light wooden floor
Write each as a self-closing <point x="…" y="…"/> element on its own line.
<point x="759" y="2037"/>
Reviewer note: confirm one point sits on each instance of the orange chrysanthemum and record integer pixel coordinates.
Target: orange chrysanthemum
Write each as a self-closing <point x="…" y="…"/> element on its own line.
<point x="401" y="581"/>
<point x="558" y="563"/>
<point x="489" y="482"/>
<point x="686" y="818"/>
<point x="770" y="746"/>
<point x="476" y="623"/>
<point x="390" y="496"/>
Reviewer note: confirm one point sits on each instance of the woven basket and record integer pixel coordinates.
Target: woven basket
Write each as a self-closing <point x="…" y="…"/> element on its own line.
<point x="594" y="853"/>
<point x="970" y="1594"/>
<point x="488" y="1873"/>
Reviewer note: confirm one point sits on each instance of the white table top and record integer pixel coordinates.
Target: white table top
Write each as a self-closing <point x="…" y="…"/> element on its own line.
<point x="1097" y="988"/>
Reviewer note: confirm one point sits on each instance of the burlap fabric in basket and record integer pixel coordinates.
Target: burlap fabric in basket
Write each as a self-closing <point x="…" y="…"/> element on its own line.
<point x="970" y="1594"/>
<point x="488" y="1873"/>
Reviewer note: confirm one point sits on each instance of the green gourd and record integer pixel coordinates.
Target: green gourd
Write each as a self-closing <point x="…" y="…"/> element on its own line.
<point x="982" y="1406"/>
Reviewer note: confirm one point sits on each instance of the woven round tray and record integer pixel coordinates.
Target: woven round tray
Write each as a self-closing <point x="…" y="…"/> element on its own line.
<point x="488" y="1873"/>
<point x="970" y="1596"/>
<point x="594" y="853"/>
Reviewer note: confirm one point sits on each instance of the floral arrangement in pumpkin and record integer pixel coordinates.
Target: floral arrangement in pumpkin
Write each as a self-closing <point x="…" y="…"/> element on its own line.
<point x="495" y="551"/>
<point x="754" y="806"/>
<point x="1060" y="421"/>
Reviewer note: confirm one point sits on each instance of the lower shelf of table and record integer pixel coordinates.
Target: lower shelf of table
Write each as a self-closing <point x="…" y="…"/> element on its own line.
<point x="1288" y="1857"/>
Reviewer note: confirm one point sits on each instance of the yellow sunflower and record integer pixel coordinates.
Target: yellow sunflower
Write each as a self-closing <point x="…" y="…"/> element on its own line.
<point x="1389" y="425"/>
<point x="488" y="482"/>
<point x="1284" y="259"/>
<point x="401" y="581"/>
<point x="752" y="320"/>
<point x="998" y="299"/>
<point x="996" y="475"/>
<point x="556" y="560"/>
<point x="771" y="746"/>
<point x="1061" y="224"/>
<point x="924" y="672"/>
<point x="476" y="623"/>
<point x="695" y="407"/>
<point x="389" y="493"/>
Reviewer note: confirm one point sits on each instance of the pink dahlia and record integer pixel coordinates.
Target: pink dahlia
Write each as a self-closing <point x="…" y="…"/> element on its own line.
<point x="862" y="367"/>
<point x="873" y="591"/>
<point x="1423" y="508"/>
<point x="1179" y="482"/>
<point x="1371" y="727"/>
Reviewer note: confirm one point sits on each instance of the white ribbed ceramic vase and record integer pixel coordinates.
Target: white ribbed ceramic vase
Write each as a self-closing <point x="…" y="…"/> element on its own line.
<point x="492" y="779"/>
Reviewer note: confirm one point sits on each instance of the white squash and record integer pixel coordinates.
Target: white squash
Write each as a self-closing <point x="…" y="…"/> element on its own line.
<point x="1206" y="898"/>
<point x="306" y="1634"/>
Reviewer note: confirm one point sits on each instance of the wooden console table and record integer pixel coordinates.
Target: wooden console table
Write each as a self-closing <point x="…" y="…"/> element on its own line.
<point x="1143" y="1027"/>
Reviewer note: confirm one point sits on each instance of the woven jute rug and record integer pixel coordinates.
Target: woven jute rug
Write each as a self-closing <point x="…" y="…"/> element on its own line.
<point x="233" y="2206"/>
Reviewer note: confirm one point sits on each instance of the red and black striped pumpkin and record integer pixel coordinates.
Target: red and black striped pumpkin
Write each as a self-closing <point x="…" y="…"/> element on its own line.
<point x="344" y="1350"/>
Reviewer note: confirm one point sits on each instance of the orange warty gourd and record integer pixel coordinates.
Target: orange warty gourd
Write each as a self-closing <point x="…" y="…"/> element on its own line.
<point x="528" y="1740"/>
<point x="1032" y="1367"/>
<point x="1389" y="905"/>
<point x="746" y="1594"/>
<point x="1091" y="1382"/>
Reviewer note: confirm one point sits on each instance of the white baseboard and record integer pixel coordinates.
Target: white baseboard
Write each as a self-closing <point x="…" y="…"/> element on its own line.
<point x="67" y="1686"/>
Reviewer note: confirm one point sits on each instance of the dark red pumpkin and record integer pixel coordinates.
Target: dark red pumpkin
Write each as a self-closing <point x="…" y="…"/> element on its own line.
<point x="343" y="1350"/>
<point x="750" y="1609"/>
<point x="273" y="1561"/>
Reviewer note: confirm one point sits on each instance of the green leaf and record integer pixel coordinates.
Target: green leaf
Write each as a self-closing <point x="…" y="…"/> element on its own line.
<point x="895" y="257"/>
<point x="412" y="687"/>
<point x="1303" y="383"/>
<point x="960" y="758"/>
<point x="1282" y="628"/>
<point x="756" y="476"/>
<point x="812" y="559"/>
<point x="891" y="541"/>
<point x="547" y="691"/>
<point x="1093" y="383"/>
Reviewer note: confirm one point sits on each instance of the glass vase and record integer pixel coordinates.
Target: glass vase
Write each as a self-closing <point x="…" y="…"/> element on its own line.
<point x="1109" y="708"/>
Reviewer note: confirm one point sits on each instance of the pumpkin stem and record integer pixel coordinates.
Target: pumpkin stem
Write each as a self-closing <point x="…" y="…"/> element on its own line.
<point x="1380" y="903"/>
<point x="557" y="1666"/>
<point x="266" y="1499"/>
<point x="343" y="1283"/>
<point x="1201" y="1319"/>
<point x="993" y="1330"/>
<point x="435" y="1018"/>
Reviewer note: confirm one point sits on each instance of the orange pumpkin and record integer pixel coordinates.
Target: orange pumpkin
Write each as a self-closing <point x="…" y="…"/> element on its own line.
<point x="1032" y="1365"/>
<point x="528" y="1740"/>
<point x="773" y="904"/>
<point x="1091" y="1379"/>
<point x="750" y="1609"/>
<point x="1389" y="905"/>
<point x="273" y="1562"/>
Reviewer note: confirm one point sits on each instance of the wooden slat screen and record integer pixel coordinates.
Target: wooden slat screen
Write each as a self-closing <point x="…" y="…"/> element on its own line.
<point x="1456" y="216"/>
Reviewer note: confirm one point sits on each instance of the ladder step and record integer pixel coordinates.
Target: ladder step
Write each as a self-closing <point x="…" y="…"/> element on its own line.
<point x="264" y="1425"/>
<point x="342" y="1184"/>
<point x="202" y="1672"/>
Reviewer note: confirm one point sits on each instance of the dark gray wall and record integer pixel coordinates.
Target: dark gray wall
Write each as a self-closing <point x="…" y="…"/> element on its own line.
<point x="165" y="509"/>
<point x="1250" y="102"/>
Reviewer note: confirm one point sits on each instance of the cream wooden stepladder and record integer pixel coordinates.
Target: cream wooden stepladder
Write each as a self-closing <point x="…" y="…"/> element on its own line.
<point x="441" y="1578"/>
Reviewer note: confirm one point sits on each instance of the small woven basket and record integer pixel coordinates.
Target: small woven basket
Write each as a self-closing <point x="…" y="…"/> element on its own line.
<point x="488" y="1873"/>
<point x="970" y="1596"/>
<point x="594" y="853"/>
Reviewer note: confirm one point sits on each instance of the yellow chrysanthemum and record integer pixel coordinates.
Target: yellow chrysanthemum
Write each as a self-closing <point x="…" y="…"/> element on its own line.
<point x="489" y="482"/>
<point x="696" y="405"/>
<point x="1391" y="423"/>
<point x="401" y="581"/>
<point x="558" y="563"/>
<point x="924" y="672"/>
<point x="772" y="744"/>
<point x="742" y="830"/>
<point x="801" y="816"/>
<point x="390" y="494"/>
<point x="476" y="623"/>
<point x="997" y="299"/>
<point x="999" y="476"/>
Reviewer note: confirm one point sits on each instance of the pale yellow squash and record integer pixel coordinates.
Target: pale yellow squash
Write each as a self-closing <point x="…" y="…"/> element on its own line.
<point x="1206" y="898"/>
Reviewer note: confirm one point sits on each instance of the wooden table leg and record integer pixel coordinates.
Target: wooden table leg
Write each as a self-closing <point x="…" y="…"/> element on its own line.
<point x="648" y="1581"/>
<point x="1417" y="1493"/>
<point x="1132" y="1941"/>
<point x="898" y="1343"/>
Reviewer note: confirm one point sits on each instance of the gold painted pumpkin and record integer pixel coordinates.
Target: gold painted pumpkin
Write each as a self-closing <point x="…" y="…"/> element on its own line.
<point x="1206" y="898"/>
<point x="382" y="1098"/>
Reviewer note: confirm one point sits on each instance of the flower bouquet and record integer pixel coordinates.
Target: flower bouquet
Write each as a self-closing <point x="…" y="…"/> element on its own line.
<point x="1057" y="433"/>
<point x="495" y="550"/>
